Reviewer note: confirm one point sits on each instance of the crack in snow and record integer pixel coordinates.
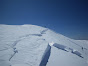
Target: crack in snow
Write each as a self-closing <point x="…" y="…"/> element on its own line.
<point x="14" y="48"/>
<point x="59" y="46"/>
<point x="15" y="43"/>
<point x="43" y="32"/>
<point x="15" y="51"/>
<point x="62" y="47"/>
<point x="36" y="35"/>
<point x="46" y="56"/>
<point x="27" y="35"/>
<point x="39" y="35"/>
<point x="76" y="53"/>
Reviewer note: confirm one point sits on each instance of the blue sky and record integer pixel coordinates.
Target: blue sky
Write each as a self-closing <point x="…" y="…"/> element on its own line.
<point x="68" y="17"/>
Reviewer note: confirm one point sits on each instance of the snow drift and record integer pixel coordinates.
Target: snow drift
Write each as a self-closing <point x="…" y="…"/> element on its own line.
<point x="30" y="45"/>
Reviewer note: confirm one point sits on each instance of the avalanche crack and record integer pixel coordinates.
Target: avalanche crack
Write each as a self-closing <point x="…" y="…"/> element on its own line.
<point x="47" y="52"/>
<point x="14" y="48"/>
<point x="67" y="49"/>
<point x="43" y="32"/>
<point x="15" y="43"/>
<point x="45" y="56"/>
<point x="39" y="35"/>
<point x="15" y="51"/>
<point x="62" y="47"/>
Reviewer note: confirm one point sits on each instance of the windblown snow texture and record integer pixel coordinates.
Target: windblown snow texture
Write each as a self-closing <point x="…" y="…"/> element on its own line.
<point x="30" y="45"/>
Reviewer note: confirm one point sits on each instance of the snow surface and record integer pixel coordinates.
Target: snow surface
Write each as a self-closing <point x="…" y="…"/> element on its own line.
<point x="30" y="45"/>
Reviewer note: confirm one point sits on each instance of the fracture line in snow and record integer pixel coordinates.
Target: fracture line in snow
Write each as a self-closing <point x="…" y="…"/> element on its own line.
<point x="15" y="51"/>
<point x="14" y="48"/>
<point x="64" y="48"/>
<point x="31" y="35"/>
<point x="59" y="46"/>
<point x="36" y="35"/>
<point x="43" y="32"/>
<point x="46" y="56"/>
<point x="15" y="42"/>
<point x="27" y="35"/>
<point x="76" y="53"/>
<point x="11" y="56"/>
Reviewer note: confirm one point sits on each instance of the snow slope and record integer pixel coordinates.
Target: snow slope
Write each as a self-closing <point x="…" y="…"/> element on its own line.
<point x="30" y="45"/>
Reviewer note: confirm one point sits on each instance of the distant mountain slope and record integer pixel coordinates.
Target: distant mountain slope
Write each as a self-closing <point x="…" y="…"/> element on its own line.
<point x="30" y="45"/>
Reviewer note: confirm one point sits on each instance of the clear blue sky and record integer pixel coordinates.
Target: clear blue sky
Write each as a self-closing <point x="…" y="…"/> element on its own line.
<point x="68" y="17"/>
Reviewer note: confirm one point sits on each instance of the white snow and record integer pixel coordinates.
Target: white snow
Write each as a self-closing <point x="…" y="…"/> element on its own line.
<point x="51" y="43"/>
<point x="20" y="65"/>
<point x="30" y="45"/>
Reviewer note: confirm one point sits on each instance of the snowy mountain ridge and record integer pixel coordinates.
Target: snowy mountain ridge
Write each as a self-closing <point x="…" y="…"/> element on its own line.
<point x="30" y="45"/>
